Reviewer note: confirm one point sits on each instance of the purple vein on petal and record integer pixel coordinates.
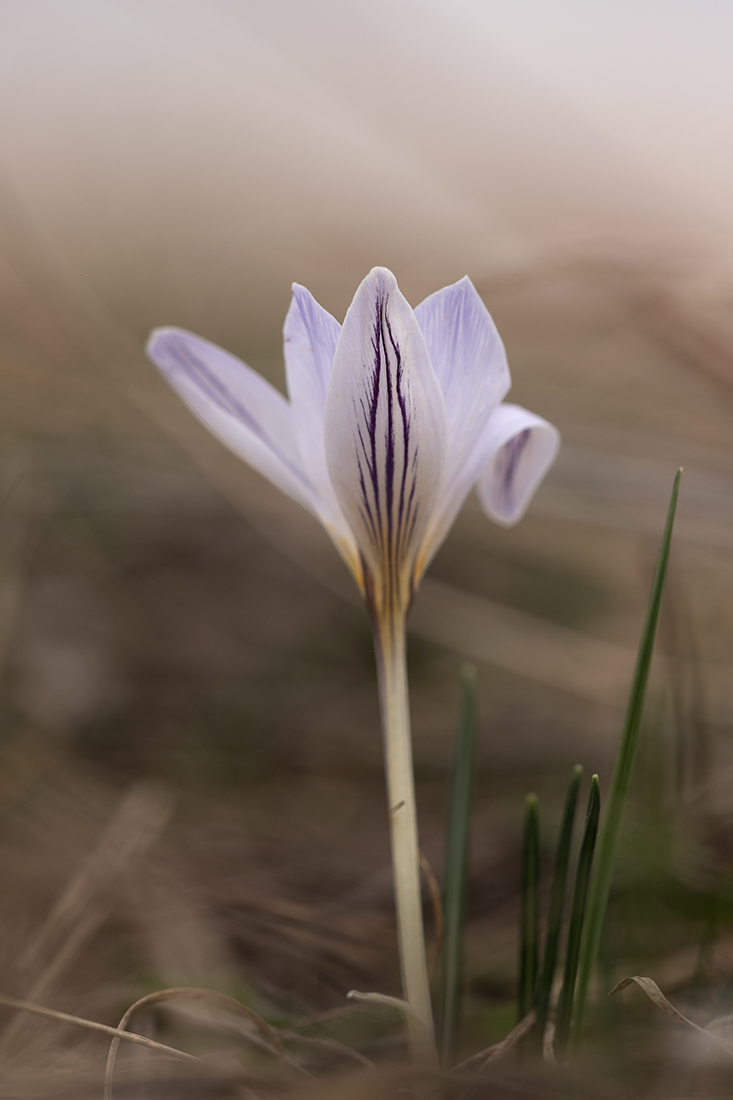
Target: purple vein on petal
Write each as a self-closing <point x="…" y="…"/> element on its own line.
<point x="385" y="436"/>
<point x="405" y="437"/>
<point x="390" y="521"/>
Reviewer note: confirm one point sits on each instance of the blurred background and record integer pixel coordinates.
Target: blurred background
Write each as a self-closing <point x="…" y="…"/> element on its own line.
<point x="191" y="785"/>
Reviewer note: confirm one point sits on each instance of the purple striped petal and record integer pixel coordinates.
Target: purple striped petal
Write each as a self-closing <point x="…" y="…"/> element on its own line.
<point x="523" y="447"/>
<point x="385" y="433"/>
<point x="235" y="403"/>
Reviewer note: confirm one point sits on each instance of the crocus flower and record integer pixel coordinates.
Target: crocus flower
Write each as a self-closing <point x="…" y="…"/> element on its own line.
<point x="392" y="419"/>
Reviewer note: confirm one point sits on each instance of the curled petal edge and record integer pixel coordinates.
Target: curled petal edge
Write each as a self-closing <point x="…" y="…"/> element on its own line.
<point x="524" y="448"/>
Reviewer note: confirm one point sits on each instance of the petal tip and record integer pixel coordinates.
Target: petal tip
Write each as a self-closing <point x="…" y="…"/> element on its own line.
<point x="383" y="276"/>
<point x="160" y="339"/>
<point x="300" y="291"/>
<point x="305" y="304"/>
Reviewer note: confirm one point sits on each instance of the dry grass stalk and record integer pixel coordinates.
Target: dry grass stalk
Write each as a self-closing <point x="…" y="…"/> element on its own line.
<point x="82" y="906"/>
<point x="265" y="1036"/>
<point x="92" y="1025"/>
<point x="655" y="995"/>
<point x="485" y="1059"/>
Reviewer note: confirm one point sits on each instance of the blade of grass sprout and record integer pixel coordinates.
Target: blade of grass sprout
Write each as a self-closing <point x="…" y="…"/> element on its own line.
<point x="530" y="913"/>
<point x="436" y="901"/>
<point x="557" y="901"/>
<point x="577" y="917"/>
<point x="457" y="858"/>
<point x="608" y="837"/>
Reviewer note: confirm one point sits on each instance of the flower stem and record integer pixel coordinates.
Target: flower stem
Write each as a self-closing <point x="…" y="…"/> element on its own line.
<point x="389" y="641"/>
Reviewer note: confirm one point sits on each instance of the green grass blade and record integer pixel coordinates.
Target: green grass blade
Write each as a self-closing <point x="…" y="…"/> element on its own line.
<point x="457" y="858"/>
<point x="530" y="913"/>
<point x="608" y="837"/>
<point x="577" y="917"/>
<point x="557" y="902"/>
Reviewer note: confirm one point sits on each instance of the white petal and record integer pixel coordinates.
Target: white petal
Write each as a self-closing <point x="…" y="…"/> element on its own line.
<point x="467" y="353"/>
<point x="524" y="447"/>
<point x="310" y="336"/>
<point x="385" y="431"/>
<point x="471" y="366"/>
<point x="235" y="403"/>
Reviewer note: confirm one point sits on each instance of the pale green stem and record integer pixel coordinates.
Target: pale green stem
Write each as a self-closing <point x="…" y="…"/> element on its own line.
<point x="393" y="692"/>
